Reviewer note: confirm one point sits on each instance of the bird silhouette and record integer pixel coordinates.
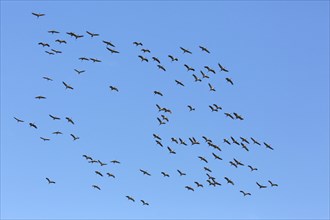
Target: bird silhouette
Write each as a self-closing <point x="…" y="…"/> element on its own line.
<point x="185" y="50"/>
<point x="189" y="188"/>
<point x="38" y="14"/>
<point x="144" y="203"/>
<point x="255" y="142"/>
<point x="43" y="44"/>
<point x="268" y="146"/>
<point x="138" y="43"/>
<point x="229" y="181"/>
<point x="252" y="168"/>
<point x="272" y="184"/>
<point x="158" y="93"/>
<point x="165" y="174"/>
<point x="204" y="75"/>
<point x="189" y="68"/>
<point x="191" y="108"/>
<point x="196" y="78"/>
<point x="156" y="59"/>
<point x="108" y="43"/>
<point x="112" y="50"/>
<point x="202" y="159"/>
<point x="261" y="186"/>
<point x="33" y="125"/>
<point x="161" y="67"/>
<point x="145" y="172"/>
<point x="181" y="173"/>
<point x="212" y="89"/>
<point x="92" y="34"/>
<point x="173" y="58"/>
<point x="230" y="81"/>
<point x="245" y="193"/>
<point x="69" y="120"/>
<point x="96" y="187"/>
<point x="130" y="198"/>
<point x="67" y="86"/>
<point x="171" y="151"/>
<point x="74" y="137"/>
<point x="53" y="32"/>
<point x="54" y="117"/>
<point x="99" y="173"/>
<point x="115" y="161"/>
<point x="179" y="83"/>
<point x="145" y="50"/>
<point x="40" y="97"/>
<point x="222" y="68"/>
<point x="79" y="71"/>
<point x="57" y="132"/>
<point x="198" y="184"/>
<point x="60" y="41"/>
<point x="204" y="49"/>
<point x="216" y="156"/>
<point x="18" y="120"/>
<point x="113" y="88"/>
<point x="95" y="60"/>
<point x="44" y="139"/>
<point x="50" y="181"/>
<point x="111" y="175"/>
<point x="209" y="69"/>
<point x="47" y="78"/>
<point x="143" y="58"/>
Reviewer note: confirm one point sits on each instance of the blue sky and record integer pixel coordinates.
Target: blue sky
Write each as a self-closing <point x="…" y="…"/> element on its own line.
<point x="277" y="54"/>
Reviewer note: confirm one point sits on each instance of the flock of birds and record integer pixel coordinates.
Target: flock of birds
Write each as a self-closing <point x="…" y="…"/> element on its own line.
<point x="163" y="118"/>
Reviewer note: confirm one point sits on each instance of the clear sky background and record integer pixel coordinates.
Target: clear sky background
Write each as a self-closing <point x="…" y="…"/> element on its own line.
<point x="277" y="54"/>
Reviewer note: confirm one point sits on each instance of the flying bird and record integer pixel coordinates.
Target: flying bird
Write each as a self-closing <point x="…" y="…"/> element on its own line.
<point x="229" y="181"/>
<point x="145" y="172"/>
<point x="44" y="139"/>
<point x="112" y="50"/>
<point x="226" y="141"/>
<point x="189" y="188"/>
<point x="238" y="162"/>
<point x="61" y="41"/>
<point x="69" y="120"/>
<point x="47" y="78"/>
<point x="179" y="83"/>
<point x="160" y="121"/>
<point x="158" y="93"/>
<point x="54" y="117"/>
<point x="115" y="161"/>
<point x="38" y="14"/>
<point x="189" y="68"/>
<point x="145" y="50"/>
<point x="171" y="151"/>
<point x="237" y="116"/>
<point x="207" y="169"/>
<point x="191" y="108"/>
<point x="57" y="132"/>
<point x="33" y="125"/>
<point x="108" y="43"/>
<point x="50" y="181"/>
<point x="268" y="146"/>
<point x="56" y="51"/>
<point x="113" y="88"/>
<point x="181" y="173"/>
<point x="233" y="164"/>
<point x="204" y="49"/>
<point x="165" y="174"/>
<point x="212" y="89"/>
<point x="111" y="175"/>
<point x="96" y="187"/>
<point x="196" y="78"/>
<point x="130" y="198"/>
<point x="144" y="203"/>
<point x="230" y="81"/>
<point x="204" y="75"/>
<point x="209" y="69"/>
<point x="216" y="156"/>
<point x="202" y="159"/>
<point x="143" y="58"/>
<point x="261" y="186"/>
<point x="161" y="67"/>
<point x="185" y="50"/>
<point x="40" y="97"/>
<point x="159" y="143"/>
<point x="156" y="59"/>
<point x="252" y="168"/>
<point x="50" y="53"/>
<point x="255" y="142"/>
<point x="43" y="44"/>
<point x="222" y="68"/>
<point x="156" y="136"/>
<point x="272" y="184"/>
<point x="174" y="140"/>
<point x="95" y="60"/>
<point x="198" y="184"/>
<point x="67" y="86"/>
<point x="79" y="71"/>
<point x="18" y="120"/>
<point x="138" y="43"/>
<point x="173" y="58"/>
<point x="99" y="173"/>
<point x="92" y="34"/>
<point x="74" y="137"/>
<point x="245" y="193"/>
<point x="53" y="32"/>
<point x="83" y="58"/>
